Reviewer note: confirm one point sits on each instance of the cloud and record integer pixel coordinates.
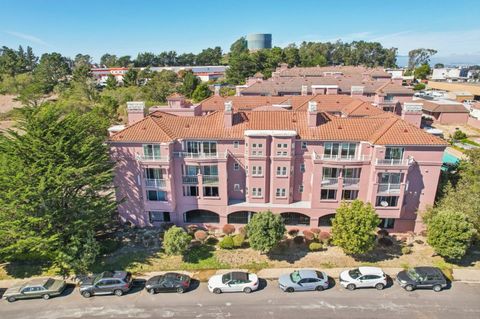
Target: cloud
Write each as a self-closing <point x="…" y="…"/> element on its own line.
<point x="27" y="37"/>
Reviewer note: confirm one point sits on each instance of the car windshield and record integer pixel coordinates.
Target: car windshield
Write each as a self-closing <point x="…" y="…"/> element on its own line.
<point x="413" y="274"/>
<point x="49" y="283"/>
<point x="226" y="278"/>
<point x="355" y="273"/>
<point x="295" y="276"/>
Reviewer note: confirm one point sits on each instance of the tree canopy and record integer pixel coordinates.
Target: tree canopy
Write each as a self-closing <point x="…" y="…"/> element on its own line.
<point x="265" y="230"/>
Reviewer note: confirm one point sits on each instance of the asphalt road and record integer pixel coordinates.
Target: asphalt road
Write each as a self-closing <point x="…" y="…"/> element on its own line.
<point x="460" y="301"/>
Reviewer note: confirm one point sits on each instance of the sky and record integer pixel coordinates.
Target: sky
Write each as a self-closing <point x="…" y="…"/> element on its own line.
<point x="125" y="27"/>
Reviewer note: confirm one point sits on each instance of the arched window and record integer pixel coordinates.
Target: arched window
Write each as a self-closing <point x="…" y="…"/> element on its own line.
<point x="326" y="221"/>
<point x="294" y="219"/>
<point x="201" y="216"/>
<point x="241" y="217"/>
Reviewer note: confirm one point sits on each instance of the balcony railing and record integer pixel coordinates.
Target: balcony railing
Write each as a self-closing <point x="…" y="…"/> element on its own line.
<point x="190" y="179"/>
<point x="151" y="158"/>
<point x="351" y="181"/>
<point x="393" y="162"/>
<point x="196" y="155"/>
<point x="210" y="179"/>
<point x="329" y="182"/>
<point x="389" y="188"/>
<point x="341" y="158"/>
<point x="157" y="183"/>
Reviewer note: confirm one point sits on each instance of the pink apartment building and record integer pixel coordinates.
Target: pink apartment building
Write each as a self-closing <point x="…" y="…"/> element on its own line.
<point x="240" y="159"/>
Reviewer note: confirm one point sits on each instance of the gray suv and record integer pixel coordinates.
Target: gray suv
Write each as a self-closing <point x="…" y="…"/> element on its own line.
<point x="106" y="283"/>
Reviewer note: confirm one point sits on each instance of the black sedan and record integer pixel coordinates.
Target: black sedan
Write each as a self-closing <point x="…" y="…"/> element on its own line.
<point x="422" y="277"/>
<point x="169" y="282"/>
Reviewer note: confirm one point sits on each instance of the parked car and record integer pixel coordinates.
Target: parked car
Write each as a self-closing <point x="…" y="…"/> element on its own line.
<point x="363" y="277"/>
<point x="106" y="283"/>
<point x="169" y="282"/>
<point x="235" y="281"/>
<point x="303" y="280"/>
<point x="35" y="288"/>
<point x="422" y="277"/>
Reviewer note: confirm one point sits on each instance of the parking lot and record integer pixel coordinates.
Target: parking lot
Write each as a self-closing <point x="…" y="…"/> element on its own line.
<point x="459" y="301"/>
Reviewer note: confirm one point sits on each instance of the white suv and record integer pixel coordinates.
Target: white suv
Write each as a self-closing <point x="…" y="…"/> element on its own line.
<point x="362" y="277"/>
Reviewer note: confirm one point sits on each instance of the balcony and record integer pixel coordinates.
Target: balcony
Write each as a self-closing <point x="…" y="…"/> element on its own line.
<point x="340" y="158"/>
<point x="351" y="182"/>
<point x="151" y="158"/>
<point x="393" y="162"/>
<point x="210" y="179"/>
<point x="190" y="179"/>
<point x="388" y="188"/>
<point x="329" y="182"/>
<point x="196" y="155"/>
<point x="155" y="183"/>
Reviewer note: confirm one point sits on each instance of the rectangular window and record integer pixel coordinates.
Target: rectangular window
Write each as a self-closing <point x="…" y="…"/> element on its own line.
<point x="151" y="151"/>
<point x="328" y="194"/>
<point x="394" y="153"/>
<point x="302" y="168"/>
<point x="190" y="191"/>
<point x="282" y="153"/>
<point x="236" y="144"/>
<point x="387" y="223"/>
<point x="236" y="166"/>
<point x="210" y="191"/>
<point x="210" y="170"/>
<point x="386" y="201"/>
<point x="158" y="217"/>
<point x="256" y="192"/>
<point x="339" y="150"/>
<point x="348" y="194"/>
<point x="236" y="187"/>
<point x="280" y="192"/>
<point x="300" y="188"/>
<point x="390" y="178"/>
<point x="154" y="195"/>
<point x="257" y="171"/>
<point x="205" y="147"/>
<point x="191" y="170"/>
<point x="351" y="172"/>
<point x="153" y="173"/>
<point x="304" y="145"/>
<point x="330" y="172"/>
<point x="281" y="171"/>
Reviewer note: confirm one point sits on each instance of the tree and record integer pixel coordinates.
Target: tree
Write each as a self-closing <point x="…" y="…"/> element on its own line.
<point x="450" y="234"/>
<point x="422" y="71"/>
<point x="439" y="66"/>
<point x="420" y="56"/>
<point x="190" y="83"/>
<point x="146" y="59"/>
<point x="124" y="61"/>
<point x="239" y="46"/>
<point x="209" y="56"/>
<point x="176" y="241"/>
<point x="52" y="68"/>
<point x="265" y="230"/>
<point x="130" y="78"/>
<point x="161" y="85"/>
<point x="291" y="54"/>
<point x="240" y="67"/>
<point x="201" y="92"/>
<point x="353" y="228"/>
<point x="111" y="82"/>
<point x="109" y="60"/>
<point x="56" y="181"/>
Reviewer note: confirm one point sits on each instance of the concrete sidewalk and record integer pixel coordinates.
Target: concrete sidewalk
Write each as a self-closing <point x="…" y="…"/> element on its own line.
<point x="462" y="275"/>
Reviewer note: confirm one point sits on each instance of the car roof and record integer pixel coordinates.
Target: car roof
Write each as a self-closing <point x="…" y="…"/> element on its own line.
<point x="239" y="275"/>
<point x="114" y="274"/>
<point x="307" y="273"/>
<point x="427" y="270"/>
<point x="371" y="270"/>
<point x="37" y="282"/>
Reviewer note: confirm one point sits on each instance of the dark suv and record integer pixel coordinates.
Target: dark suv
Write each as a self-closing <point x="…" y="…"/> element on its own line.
<point x="422" y="277"/>
<point x="106" y="283"/>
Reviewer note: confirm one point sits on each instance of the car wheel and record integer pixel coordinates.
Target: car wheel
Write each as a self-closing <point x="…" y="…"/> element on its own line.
<point x="46" y="296"/>
<point x="289" y="289"/>
<point x="118" y="292"/>
<point x="86" y="294"/>
<point x="409" y="288"/>
<point x="180" y="290"/>
<point x="351" y="287"/>
<point x="247" y="290"/>
<point x="319" y="288"/>
<point x="379" y="286"/>
<point x="217" y="291"/>
<point x="151" y="291"/>
<point x="437" y="288"/>
<point x="11" y="299"/>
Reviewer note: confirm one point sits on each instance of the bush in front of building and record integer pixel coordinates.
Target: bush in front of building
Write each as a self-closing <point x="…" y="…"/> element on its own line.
<point x="298" y="240"/>
<point x="176" y="241"/>
<point x="353" y="228"/>
<point x="265" y="230"/>
<point x="450" y="233"/>
<point x="293" y="232"/>
<point x="309" y="236"/>
<point x="315" y="246"/>
<point x="200" y="235"/>
<point x="228" y="229"/>
<point x="406" y="250"/>
<point x="227" y="242"/>
<point x="238" y="240"/>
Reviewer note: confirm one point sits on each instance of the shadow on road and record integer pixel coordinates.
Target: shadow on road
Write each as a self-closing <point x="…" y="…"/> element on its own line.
<point x="262" y="284"/>
<point x="137" y="286"/>
<point x="331" y="282"/>
<point x="68" y="290"/>
<point x="2" y="291"/>
<point x="194" y="284"/>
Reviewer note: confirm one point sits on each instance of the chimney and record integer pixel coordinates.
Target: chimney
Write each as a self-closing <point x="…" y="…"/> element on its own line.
<point x="217" y="90"/>
<point x="412" y="113"/>
<point x="228" y="114"/>
<point x="312" y="114"/>
<point x="304" y="90"/>
<point x="135" y="111"/>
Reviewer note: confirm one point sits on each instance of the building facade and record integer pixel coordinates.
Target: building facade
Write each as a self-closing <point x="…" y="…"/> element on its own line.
<point x="228" y="165"/>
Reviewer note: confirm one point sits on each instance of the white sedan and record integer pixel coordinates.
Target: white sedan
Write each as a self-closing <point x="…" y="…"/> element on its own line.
<point x="235" y="281"/>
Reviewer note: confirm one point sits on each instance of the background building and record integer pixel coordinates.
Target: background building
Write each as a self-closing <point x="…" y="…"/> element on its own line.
<point x="258" y="41"/>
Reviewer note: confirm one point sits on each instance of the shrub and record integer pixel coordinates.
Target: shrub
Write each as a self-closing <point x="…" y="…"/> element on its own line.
<point x="201" y="235"/>
<point x="298" y="240"/>
<point x="419" y="86"/>
<point x="316" y="231"/>
<point x="228" y="229"/>
<point x="385" y="242"/>
<point x="293" y="232"/>
<point x="226" y="242"/>
<point x="315" y="246"/>
<point x="191" y="229"/>
<point x="238" y="240"/>
<point x="406" y="250"/>
<point x="211" y="241"/>
<point x="353" y="228"/>
<point x="176" y="241"/>
<point x="450" y="233"/>
<point x="325" y="237"/>
<point x="382" y="233"/>
<point x="265" y="230"/>
<point x="308" y="235"/>
<point x="242" y="230"/>
<point x="459" y="135"/>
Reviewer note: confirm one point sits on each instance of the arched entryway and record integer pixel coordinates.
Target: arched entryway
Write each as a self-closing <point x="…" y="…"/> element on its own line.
<point x="326" y="221"/>
<point x="240" y="217"/>
<point x="201" y="216"/>
<point x="295" y="219"/>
